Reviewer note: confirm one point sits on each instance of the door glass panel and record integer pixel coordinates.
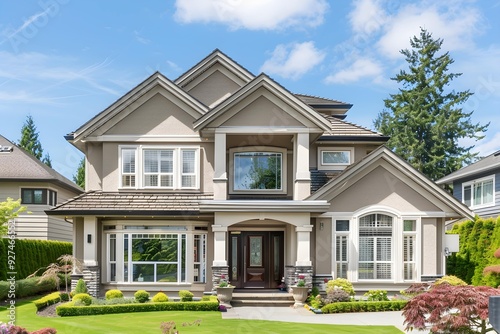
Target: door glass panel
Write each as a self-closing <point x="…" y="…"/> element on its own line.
<point x="234" y="259"/>
<point x="276" y="262"/>
<point x="255" y="251"/>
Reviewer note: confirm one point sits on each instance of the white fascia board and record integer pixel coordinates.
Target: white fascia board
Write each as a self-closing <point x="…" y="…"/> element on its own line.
<point x="450" y="178"/>
<point x="260" y="206"/>
<point x="147" y="138"/>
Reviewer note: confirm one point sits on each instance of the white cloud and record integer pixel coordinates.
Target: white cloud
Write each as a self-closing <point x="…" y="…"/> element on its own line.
<point x="488" y="145"/>
<point x="293" y="61"/>
<point x="139" y="38"/>
<point x="367" y="16"/>
<point x="254" y="14"/>
<point x="454" y="21"/>
<point x="359" y="69"/>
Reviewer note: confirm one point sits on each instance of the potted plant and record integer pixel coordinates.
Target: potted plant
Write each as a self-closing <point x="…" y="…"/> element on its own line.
<point x="300" y="292"/>
<point x="224" y="292"/>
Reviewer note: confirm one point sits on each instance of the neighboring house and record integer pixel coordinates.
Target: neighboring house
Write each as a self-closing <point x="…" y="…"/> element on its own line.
<point x="478" y="185"/>
<point x="22" y="176"/>
<point x="222" y="172"/>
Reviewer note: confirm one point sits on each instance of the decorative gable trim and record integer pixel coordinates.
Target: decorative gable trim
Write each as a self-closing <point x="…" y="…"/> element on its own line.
<point x="215" y="57"/>
<point x="107" y="117"/>
<point x="262" y="81"/>
<point x="332" y="188"/>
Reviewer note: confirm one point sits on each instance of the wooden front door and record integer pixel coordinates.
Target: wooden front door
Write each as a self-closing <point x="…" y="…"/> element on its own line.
<point x="256" y="259"/>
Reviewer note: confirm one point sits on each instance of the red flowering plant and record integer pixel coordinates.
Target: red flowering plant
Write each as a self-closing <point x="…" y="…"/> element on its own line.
<point x="301" y="282"/>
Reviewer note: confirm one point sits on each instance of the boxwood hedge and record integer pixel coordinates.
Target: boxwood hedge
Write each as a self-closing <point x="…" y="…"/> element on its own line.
<point x="362" y="306"/>
<point x="68" y="309"/>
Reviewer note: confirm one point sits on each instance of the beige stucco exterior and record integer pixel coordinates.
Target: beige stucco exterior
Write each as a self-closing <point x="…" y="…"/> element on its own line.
<point x="219" y="108"/>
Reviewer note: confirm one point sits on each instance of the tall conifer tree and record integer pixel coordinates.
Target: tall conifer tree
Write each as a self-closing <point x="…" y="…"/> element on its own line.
<point x="29" y="138"/>
<point x="426" y="122"/>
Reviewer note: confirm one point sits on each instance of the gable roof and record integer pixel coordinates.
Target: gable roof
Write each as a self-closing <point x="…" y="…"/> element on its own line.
<point x="19" y="165"/>
<point x="107" y="115"/>
<point x="216" y="56"/>
<point x="401" y="165"/>
<point x="262" y="80"/>
<point x="490" y="163"/>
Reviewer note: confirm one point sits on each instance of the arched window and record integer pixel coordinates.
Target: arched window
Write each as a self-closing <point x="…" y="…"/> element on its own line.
<point x="375" y="247"/>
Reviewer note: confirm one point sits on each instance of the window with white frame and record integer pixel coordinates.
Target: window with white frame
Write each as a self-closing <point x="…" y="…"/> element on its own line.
<point x="409" y="249"/>
<point x="258" y="169"/>
<point x="479" y="193"/>
<point x="341" y="248"/>
<point x="166" y="168"/>
<point x="375" y="247"/>
<point x="335" y="158"/>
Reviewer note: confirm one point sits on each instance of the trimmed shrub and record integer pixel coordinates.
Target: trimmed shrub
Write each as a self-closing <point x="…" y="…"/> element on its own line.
<point x="376" y="295"/>
<point x="43" y="302"/>
<point x="451" y="280"/>
<point x="85" y="298"/>
<point x="26" y="287"/>
<point x="393" y="305"/>
<point x="81" y="287"/>
<point x="186" y="295"/>
<point x="69" y="309"/>
<point x="160" y="297"/>
<point x="141" y="296"/>
<point x="35" y="255"/>
<point x="64" y="297"/>
<point x="113" y="294"/>
<point x="47" y="330"/>
<point x="342" y="283"/>
<point x="336" y="295"/>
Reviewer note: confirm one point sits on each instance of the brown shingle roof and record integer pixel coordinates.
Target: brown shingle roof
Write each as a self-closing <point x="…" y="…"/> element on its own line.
<point x="19" y="165"/>
<point x="131" y="203"/>
<point x="342" y="128"/>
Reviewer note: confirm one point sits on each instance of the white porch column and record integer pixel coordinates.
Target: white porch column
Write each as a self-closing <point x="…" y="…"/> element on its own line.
<point x="303" y="245"/>
<point x="90" y="241"/>
<point x="302" y="177"/>
<point x="220" y="173"/>
<point x="219" y="245"/>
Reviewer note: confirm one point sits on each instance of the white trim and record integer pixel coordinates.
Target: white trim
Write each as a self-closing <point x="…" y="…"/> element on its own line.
<point x="147" y="138"/>
<point x="471" y="184"/>
<point x="177" y="165"/>
<point x="263" y="130"/>
<point x="334" y="166"/>
<point x="263" y="206"/>
<point x="258" y="149"/>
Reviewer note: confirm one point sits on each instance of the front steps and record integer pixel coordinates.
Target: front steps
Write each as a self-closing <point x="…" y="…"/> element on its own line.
<point x="245" y="297"/>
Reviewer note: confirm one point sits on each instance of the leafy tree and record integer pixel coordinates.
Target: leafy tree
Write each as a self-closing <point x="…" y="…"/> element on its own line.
<point x="265" y="173"/>
<point x="79" y="177"/>
<point x="9" y="209"/>
<point x="29" y="138"/>
<point x="450" y="309"/>
<point x="424" y="121"/>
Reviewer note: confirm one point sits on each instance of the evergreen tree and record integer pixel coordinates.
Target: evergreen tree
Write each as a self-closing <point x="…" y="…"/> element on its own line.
<point x="425" y="123"/>
<point x="29" y="138"/>
<point x="79" y="177"/>
<point x="47" y="160"/>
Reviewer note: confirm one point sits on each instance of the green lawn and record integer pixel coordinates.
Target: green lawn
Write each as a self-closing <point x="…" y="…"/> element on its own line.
<point x="149" y="322"/>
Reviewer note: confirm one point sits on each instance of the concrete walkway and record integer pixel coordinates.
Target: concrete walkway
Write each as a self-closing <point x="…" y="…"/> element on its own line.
<point x="302" y="315"/>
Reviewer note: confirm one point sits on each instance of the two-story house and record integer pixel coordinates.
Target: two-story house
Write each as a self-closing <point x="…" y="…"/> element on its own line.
<point x="222" y="172"/>
<point x="22" y="176"/>
<point x="478" y="185"/>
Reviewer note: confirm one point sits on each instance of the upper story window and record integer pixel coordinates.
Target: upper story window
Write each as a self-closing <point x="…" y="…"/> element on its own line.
<point x="258" y="169"/>
<point x="38" y="196"/>
<point x="479" y="193"/>
<point x="167" y="168"/>
<point x="335" y="158"/>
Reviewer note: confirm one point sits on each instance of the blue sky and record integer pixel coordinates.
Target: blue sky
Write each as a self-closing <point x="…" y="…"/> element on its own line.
<point x="64" y="61"/>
